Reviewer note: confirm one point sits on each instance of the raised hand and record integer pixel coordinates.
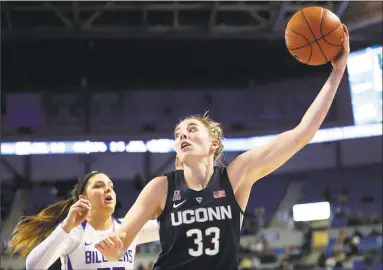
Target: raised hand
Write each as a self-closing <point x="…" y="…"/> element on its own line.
<point x="77" y="214"/>
<point x="340" y="61"/>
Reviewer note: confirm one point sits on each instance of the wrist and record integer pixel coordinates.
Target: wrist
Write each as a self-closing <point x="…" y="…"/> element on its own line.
<point x="339" y="69"/>
<point x="66" y="227"/>
<point x="337" y="73"/>
<point x="121" y="253"/>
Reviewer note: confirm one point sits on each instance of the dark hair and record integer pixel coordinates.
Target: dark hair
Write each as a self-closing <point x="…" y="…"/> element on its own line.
<point x="31" y="230"/>
<point x="80" y="187"/>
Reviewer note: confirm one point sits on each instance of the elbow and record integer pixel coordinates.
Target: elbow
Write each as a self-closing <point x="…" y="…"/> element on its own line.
<point x="31" y="264"/>
<point x="36" y="261"/>
<point x="306" y="139"/>
<point x="305" y="134"/>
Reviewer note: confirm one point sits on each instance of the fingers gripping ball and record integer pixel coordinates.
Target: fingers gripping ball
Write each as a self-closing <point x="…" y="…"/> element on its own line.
<point x="314" y="36"/>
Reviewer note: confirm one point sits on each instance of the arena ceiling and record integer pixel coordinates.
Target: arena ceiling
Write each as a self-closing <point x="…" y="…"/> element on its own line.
<point x="161" y="44"/>
<point x="176" y="19"/>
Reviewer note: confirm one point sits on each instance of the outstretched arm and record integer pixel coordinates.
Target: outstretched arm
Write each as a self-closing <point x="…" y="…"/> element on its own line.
<point x="254" y="164"/>
<point x="62" y="241"/>
<point x="148" y="205"/>
<point x="57" y="244"/>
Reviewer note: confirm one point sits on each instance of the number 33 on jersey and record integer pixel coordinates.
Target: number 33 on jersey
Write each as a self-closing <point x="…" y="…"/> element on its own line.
<point x="198" y="240"/>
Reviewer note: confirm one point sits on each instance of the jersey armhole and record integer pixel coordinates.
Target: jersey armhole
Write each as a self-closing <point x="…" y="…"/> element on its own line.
<point x="166" y="206"/>
<point x="230" y="188"/>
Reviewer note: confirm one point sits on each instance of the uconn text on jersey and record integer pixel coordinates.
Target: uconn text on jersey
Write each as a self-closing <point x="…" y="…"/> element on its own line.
<point x="201" y="215"/>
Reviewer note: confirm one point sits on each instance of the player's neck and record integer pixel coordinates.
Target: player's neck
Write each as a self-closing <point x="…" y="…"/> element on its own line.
<point x="100" y="223"/>
<point x="197" y="177"/>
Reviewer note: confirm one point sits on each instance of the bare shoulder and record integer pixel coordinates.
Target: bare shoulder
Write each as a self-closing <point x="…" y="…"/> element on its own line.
<point x="159" y="184"/>
<point x="157" y="191"/>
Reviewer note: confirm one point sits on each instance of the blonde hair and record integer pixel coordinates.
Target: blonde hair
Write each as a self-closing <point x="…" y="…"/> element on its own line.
<point x="31" y="230"/>
<point x="215" y="131"/>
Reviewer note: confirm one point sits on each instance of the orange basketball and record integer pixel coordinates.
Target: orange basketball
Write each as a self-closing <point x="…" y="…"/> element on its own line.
<point x="314" y="36"/>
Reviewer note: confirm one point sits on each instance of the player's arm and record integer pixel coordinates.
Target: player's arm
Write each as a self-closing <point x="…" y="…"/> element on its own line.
<point x="254" y="164"/>
<point x="148" y="205"/>
<point x="57" y="244"/>
<point x="149" y="232"/>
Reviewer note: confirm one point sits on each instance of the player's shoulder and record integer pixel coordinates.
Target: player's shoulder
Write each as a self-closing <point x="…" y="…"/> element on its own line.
<point x="80" y="229"/>
<point x="161" y="179"/>
<point x="158" y="183"/>
<point x="174" y="176"/>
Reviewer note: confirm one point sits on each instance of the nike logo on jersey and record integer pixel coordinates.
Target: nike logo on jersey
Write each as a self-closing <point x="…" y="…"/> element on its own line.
<point x="176" y="205"/>
<point x="87" y="244"/>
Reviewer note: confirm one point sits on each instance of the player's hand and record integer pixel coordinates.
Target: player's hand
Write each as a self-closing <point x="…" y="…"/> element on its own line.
<point x="112" y="246"/>
<point x="340" y="61"/>
<point x="77" y="214"/>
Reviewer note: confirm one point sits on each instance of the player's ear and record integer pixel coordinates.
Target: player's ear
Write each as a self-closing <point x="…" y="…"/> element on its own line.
<point x="215" y="144"/>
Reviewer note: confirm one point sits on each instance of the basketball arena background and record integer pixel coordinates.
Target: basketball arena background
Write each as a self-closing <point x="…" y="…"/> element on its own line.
<point x="101" y="85"/>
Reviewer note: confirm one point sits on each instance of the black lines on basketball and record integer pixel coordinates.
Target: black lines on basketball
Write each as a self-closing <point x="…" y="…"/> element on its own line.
<point x="308" y="24"/>
<point x="305" y="31"/>
<point x="299" y="47"/>
<point x="308" y="43"/>
<point x="311" y="53"/>
<point x="329" y="33"/>
<point x="311" y="42"/>
<point x="312" y="32"/>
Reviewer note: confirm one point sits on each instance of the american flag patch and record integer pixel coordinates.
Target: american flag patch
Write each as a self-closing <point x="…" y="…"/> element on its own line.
<point x="219" y="194"/>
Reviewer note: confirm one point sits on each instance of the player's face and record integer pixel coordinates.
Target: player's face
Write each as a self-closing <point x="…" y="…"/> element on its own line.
<point x="100" y="193"/>
<point x="193" y="142"/>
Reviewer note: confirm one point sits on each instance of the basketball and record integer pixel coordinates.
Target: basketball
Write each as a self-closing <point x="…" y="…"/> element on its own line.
<point x="314" y="36"/>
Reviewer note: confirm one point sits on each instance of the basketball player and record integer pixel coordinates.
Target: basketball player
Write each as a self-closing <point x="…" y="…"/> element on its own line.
<point x="200" y="206"/>
<point x="86" y="218"/>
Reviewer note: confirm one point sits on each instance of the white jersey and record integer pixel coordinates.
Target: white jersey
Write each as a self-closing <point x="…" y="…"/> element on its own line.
<point x="76" y="249"/>
<point x="86" y="256"/>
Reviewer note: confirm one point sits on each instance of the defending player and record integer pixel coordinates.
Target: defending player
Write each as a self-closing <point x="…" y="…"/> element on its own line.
<point x="85" y="219"/>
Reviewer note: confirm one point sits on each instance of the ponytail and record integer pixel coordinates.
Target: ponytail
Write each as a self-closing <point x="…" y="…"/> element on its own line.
<point x="31" y="230"/>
